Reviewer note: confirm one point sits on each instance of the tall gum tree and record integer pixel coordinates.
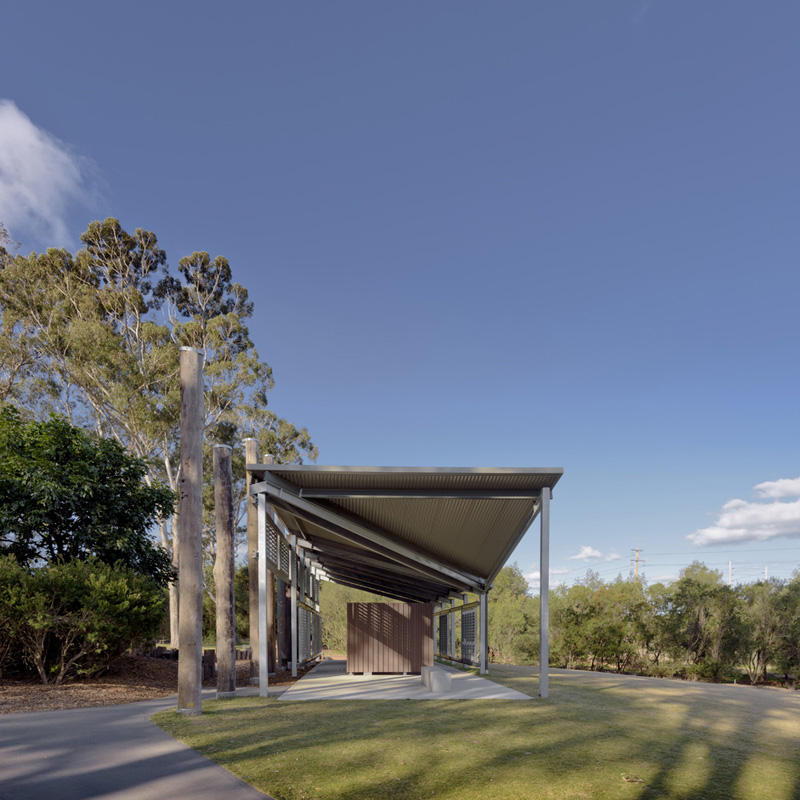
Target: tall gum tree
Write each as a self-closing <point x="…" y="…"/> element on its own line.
<point x="104" y="327"/>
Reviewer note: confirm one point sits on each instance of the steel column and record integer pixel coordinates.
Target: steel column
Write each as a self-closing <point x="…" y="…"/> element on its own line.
<point x="484" y="623"/>
<point x="544" y="593"/>
<point x="293" y="576"/>
<point x="263" y="659"/>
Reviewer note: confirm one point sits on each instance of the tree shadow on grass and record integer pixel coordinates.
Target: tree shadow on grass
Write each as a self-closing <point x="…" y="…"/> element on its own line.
<point x="617" y="738"/>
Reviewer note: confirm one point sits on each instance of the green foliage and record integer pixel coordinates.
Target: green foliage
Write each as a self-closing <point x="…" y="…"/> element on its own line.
<point x="787" y="656"/>
<point x="696" y="627"/>
<point x="763" y="620"/>
<point x="74" y="618"/>
<point x="241" y="600"/>
<point x="333" y="600"/>
<point x="513" y="619"/>
<point x="67" y="495"/>
<point x="705" y="618"/>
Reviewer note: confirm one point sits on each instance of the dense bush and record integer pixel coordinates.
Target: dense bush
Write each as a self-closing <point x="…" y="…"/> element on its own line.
<point x="74" y="618"/>
<point x="696" y="627"/>
<point x="68" y="495"/>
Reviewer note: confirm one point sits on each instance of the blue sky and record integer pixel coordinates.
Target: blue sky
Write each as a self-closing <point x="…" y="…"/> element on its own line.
<point x="498" y="234"/>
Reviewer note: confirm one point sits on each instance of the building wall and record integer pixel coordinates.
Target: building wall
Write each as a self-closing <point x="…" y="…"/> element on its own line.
<point x="389" y="637"/>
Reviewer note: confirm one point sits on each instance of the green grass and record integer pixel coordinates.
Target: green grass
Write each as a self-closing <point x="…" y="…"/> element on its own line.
<point x="597" y="736"/>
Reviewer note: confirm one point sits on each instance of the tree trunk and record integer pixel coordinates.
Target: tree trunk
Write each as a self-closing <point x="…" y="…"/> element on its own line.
<point x="190" y="531"/>
<point x="174" y="588"/>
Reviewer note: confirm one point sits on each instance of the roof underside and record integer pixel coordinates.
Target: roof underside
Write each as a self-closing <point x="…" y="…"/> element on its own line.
<point x="412" y="533"/>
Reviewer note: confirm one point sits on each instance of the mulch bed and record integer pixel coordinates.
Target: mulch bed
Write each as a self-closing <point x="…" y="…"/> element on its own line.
<point x="129" y="679"/>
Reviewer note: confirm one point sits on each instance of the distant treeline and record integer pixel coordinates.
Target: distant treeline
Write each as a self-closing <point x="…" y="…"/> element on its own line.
<point x="697" y="627"/>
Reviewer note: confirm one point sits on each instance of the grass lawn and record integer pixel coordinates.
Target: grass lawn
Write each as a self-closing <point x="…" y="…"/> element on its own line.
<point x="597" y="736"/>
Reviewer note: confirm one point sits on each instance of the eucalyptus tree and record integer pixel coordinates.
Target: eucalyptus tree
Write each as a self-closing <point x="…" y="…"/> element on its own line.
<point x="105" y="326"/>
<point x="706" y="622"/>
<point x="787" y="657"/>
<point x="763" y="625"/>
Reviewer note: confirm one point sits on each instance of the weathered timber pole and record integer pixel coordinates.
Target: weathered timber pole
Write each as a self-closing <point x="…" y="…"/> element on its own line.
<point x="190" y="527"/>
<point x="223" y="573"/>
<point x="251" y="457"/>
<point x="174" y="600"/>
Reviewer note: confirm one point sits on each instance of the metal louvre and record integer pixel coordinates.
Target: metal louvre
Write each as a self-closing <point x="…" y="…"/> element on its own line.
<point x="285" y="555"/>
<point x="304" y="634"/>
<point x="443" y="638"/>
<point x="469" y="635"/>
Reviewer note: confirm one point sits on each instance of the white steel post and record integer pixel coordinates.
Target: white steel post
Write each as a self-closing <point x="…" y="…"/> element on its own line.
<point x="544" y="593"/>
<point x="251" y="457"/>
<point x="484" y="623"/>
<point x="263" y="662"/>
<point x="293" y="576"/>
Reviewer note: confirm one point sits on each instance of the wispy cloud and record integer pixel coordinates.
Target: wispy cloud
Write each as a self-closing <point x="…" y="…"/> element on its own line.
<point x="534" y="578"/>
<point x="742" y="521"/>
<point x="40" y="178"/>
<point x="587" y="553"/>
<point x="612" y="557"/>
<point x="780" y="489"/>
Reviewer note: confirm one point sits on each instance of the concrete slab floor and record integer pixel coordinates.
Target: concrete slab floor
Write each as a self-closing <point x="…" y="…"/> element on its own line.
<point x="330" y="681"/>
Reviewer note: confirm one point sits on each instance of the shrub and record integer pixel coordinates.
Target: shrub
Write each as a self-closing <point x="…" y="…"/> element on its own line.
<point x="76" y="617"/>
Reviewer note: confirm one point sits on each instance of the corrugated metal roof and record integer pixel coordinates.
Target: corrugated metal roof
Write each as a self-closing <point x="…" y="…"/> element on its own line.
<point x="435" y="522"/>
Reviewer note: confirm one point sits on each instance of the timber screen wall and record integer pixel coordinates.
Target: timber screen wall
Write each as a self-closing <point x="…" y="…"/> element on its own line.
<point x="389" y="637"/>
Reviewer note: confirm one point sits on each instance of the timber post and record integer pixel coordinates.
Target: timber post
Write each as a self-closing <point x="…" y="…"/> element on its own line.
<point x="190" y="530"/>
<point x="223" y="573"/>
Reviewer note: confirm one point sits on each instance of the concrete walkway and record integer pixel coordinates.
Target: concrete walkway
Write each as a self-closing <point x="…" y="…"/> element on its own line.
<point x="330" y="681"/>
<point x="108" y="753"/>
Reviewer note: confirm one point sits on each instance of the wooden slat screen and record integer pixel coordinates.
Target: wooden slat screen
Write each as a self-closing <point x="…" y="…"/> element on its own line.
<point x="389" y="637"/>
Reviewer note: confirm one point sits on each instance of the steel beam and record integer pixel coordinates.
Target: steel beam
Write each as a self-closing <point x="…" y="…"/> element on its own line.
<point x="378" y="541"/>
<point x="356" y="585"/>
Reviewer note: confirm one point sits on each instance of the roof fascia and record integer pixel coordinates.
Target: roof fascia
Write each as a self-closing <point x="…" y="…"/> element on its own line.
<point x="419" y="494"/>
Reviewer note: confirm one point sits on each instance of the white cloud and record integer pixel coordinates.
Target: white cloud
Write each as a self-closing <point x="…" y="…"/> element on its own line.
<point x="534" y="578"/>
<point x="586" y="553"/>
<point x="780" y="489"/>
<point x="743" y="521"/>
<point x="612" y="557"/>
<point x="39" y="179"/>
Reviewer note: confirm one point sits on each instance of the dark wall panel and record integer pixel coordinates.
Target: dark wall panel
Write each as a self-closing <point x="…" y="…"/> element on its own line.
<point x="389" y="637"/>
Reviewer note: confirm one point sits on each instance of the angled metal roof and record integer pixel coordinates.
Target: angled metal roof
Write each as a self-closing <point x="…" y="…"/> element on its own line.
<point x="413" y="533"/>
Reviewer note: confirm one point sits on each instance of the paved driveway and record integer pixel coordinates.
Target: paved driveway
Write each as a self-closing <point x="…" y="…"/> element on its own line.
<point x="111" y="752"/>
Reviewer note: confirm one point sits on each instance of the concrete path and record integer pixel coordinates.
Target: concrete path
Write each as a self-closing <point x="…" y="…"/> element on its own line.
<point x="329" y="681"/>
<point x="110" y="752"/>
